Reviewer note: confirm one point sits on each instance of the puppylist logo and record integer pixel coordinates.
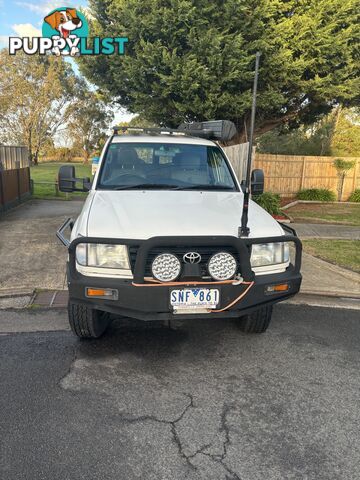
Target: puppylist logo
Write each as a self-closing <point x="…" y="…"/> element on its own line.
<point x="65" y="32"/>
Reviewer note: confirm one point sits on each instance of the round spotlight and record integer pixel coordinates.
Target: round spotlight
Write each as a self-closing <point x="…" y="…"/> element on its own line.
<point x="222" y="266"/>
<point x="166" y="267"/>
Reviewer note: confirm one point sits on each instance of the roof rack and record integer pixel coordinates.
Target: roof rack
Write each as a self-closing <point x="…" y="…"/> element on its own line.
<point x="161" y="131"/>
<point x="222" y="130"/>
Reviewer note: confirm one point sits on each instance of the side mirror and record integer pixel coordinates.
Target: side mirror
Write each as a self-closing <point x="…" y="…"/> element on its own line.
<point x="257" y="182"/>
<point x="66" y="178"/>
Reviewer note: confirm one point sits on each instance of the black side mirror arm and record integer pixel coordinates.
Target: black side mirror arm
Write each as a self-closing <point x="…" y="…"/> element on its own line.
<point x="87" y="184"/>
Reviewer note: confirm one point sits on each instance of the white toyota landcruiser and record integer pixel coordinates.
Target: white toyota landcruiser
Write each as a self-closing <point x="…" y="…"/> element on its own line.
<point x="159" y="235"/>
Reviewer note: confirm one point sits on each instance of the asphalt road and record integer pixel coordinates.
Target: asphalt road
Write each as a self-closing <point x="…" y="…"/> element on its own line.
<point x="199" y="401"/>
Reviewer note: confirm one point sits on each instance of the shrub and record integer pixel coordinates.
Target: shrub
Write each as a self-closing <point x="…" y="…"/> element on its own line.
<point x="342" y="168"/>
<point x="317" y="194"/>
<point x="342" y="165"/>
<point x="269" y="202"/>
<point x="355" y="196"/>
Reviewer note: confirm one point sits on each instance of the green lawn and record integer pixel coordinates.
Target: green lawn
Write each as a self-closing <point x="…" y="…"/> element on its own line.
<point x="345" y="253"/>
<point x="336" y="213"/>
<point x="48" y="172"/>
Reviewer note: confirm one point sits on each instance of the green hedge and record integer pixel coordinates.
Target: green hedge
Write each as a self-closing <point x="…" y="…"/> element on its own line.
<point x="269" y="202"/>
<point x="317" y="194"/>
<point x="355" y="196"/>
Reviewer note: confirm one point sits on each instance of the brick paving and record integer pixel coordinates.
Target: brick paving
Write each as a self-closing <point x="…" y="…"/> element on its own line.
<point x="50" y="299"/>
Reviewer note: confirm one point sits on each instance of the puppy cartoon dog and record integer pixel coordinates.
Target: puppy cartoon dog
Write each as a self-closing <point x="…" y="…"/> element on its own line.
<point x="64" y="21"/>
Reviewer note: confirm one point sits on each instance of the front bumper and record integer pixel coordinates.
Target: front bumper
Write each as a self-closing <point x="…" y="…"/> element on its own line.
<point x="154" y="303"/>
<point x="141" y="300"/>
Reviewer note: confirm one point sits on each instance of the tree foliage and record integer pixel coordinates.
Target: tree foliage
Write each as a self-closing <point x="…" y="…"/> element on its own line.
<point x="190" y="60"/>
<point x="35" y="93"/>
<point x="89" y="119"/>
<point x="42" y="102"/>
<point x="297" y="141"/>
<point x="138" y="121"/>
<point x="345" y="140"/>
<point x="337" y="133"/>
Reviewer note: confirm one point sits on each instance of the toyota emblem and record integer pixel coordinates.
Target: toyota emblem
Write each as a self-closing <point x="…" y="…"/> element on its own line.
<point x="192" y="257"/>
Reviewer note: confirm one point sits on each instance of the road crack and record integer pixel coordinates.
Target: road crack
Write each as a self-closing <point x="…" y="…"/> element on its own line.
<point x="224" y="427"/>
<point x="176" y="436"/>
<point x="172" y="424"/>
<point x="188" y="458"/>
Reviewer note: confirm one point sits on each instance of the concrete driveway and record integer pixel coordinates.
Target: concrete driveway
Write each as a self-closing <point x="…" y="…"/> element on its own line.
<point x="31" y="255"/>
<point x="199" y="402"/>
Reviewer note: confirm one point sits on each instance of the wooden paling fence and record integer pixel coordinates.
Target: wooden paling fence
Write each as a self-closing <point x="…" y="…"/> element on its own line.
<point x="287" y="174"/>
<point x="14" y="176"/>
<point x="237" y="154"/>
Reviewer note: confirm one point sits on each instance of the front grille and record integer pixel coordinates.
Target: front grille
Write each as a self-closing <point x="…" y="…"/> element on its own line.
<point x="179" y="251"/>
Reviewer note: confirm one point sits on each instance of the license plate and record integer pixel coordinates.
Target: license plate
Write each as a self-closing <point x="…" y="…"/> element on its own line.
<point x="195" y="298"/>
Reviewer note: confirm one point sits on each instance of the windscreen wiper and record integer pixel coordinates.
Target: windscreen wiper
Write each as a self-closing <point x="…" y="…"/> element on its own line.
<point x="206" y="187"/>
<point x="146" y="186"/>
<point x="160" y="186"/>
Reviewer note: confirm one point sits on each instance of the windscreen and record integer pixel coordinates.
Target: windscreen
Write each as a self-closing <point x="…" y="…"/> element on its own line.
<point x="164" y="166"/>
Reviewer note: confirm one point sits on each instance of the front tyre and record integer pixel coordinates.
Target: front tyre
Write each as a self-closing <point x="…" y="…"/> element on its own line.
<point x="258" y="321"/>
<point x="87" y="322"/>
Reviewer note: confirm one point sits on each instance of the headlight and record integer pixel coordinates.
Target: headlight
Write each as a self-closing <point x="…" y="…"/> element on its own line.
<point x="269" y="254"/>
<point x="166" y="267"/>
<point x="222" y="266"/>
<point x="103" y="255"/>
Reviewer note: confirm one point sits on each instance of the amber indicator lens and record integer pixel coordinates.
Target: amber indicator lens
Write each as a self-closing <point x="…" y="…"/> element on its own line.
<point x="108" y="293"/>
<point x="281" y="287"/>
